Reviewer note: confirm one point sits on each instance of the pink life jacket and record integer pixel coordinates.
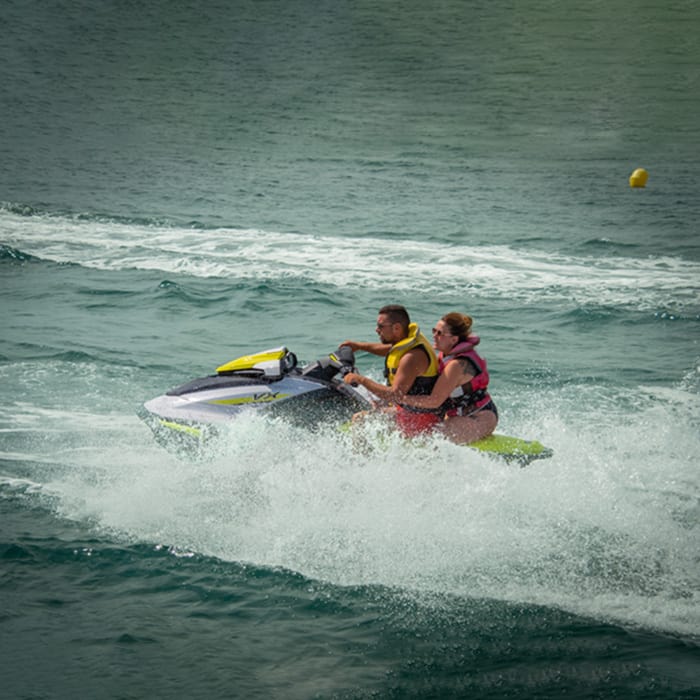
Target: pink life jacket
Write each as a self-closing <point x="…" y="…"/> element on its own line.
<point x="472" y="396"/>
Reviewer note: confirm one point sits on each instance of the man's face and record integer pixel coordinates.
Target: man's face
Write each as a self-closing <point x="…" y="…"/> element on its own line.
<point x="388" y="332"/>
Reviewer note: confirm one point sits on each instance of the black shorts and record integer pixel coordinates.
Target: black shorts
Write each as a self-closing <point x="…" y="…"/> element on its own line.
<point x="490" y="406"/>
<point x="468" y="411"/>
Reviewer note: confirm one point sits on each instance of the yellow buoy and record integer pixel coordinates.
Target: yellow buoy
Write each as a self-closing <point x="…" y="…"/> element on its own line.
<point x="639" y="178"/>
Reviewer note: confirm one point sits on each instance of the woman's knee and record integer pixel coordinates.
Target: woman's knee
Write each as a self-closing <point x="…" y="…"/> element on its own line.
<point x="470" y="428"/>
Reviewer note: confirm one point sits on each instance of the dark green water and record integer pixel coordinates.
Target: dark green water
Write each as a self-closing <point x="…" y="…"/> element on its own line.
<point x="185" y="184"/>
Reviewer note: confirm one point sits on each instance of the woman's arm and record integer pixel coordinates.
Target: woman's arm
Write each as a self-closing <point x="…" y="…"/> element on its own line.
<point x="452" y="376"/>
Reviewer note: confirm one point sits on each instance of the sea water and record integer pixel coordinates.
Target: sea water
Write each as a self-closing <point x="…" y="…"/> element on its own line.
<point x="183" y="184"/>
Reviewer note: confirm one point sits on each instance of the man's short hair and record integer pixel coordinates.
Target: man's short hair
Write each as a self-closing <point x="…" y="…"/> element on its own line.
<point x="396" y="314"/>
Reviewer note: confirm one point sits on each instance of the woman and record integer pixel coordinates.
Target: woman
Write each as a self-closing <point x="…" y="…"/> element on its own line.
<point x="460" y="393"/>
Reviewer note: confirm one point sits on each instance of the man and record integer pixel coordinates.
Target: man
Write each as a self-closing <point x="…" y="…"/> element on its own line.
<point x="410" y="367"/>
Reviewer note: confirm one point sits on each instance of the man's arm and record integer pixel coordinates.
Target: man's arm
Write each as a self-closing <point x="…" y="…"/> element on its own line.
<point x="412" y="364"/>
<point x="381" y="349"/>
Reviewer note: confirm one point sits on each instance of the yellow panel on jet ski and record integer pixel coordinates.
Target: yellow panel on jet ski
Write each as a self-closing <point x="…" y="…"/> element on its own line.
<point x="506" y="447"/>
<point x="511" y="448"/>
<point x="181" y="427"/>
<point x="257" y="398"/>
<point x="250" y="361"/>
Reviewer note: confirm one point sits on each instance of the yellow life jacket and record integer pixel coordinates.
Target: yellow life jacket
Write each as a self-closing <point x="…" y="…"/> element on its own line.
<point x="424" y="382"/>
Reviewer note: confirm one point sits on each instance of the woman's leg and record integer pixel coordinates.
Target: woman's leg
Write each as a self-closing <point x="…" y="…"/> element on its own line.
<point x="461" y="429"/>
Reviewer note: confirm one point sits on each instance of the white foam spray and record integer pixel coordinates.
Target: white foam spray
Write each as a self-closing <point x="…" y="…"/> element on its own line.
<point x="607" y="527"/>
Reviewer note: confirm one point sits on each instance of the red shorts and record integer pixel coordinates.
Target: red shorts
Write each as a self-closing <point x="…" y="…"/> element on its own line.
<point x="412" y="424"/>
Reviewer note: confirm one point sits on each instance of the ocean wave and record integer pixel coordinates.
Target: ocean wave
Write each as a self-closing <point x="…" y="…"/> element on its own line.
<point x="41" y="212"/>
<point x="11" y="255"/>
<point x="436" y="267"/>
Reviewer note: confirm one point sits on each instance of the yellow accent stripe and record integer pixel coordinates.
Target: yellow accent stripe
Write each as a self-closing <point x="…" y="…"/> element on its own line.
<point x="190" y="430"/>
<point x="507" y="445"/>
<point x="260" y="398"/>
<point x="504" y="445"/>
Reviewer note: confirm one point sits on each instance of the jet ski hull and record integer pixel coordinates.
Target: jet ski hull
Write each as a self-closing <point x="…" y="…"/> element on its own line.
<point x="189" y="415"/>
<point x="219" y="399"/>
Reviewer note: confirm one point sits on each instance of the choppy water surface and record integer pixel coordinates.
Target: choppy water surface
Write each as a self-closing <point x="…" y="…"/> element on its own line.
<point x="185" y="185"/>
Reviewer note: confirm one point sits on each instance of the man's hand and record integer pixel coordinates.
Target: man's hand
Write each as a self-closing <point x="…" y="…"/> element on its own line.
<point x="352" y="378"/>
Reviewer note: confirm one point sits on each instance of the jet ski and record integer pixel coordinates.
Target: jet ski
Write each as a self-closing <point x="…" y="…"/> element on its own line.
<point x="269" y="382"/>
<point x="272" y="382"/>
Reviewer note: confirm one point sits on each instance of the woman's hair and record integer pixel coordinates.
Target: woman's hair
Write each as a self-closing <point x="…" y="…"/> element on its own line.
<point x="459" y="325"/>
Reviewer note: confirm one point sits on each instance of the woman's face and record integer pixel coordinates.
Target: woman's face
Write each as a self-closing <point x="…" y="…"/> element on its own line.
<point x="443" y="340"/>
